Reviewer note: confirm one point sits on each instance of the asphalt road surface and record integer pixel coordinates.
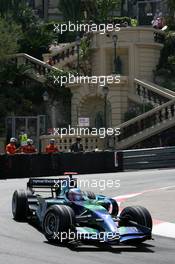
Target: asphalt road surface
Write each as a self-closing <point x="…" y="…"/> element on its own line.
<point x="21" y="243"/>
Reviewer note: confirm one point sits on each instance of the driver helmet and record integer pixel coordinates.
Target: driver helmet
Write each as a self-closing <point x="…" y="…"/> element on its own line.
<point x="75" y="194"/>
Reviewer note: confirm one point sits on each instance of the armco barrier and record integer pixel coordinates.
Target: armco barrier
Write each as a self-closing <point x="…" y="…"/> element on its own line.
<point x="35" y="165"/>
<point x="151" y="158"/>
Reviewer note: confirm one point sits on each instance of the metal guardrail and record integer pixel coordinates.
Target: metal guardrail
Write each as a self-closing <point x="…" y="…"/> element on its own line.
<point x="151" y="158"/>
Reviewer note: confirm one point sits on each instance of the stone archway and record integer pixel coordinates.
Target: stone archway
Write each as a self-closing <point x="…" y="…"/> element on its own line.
<point x="93" y="107"/>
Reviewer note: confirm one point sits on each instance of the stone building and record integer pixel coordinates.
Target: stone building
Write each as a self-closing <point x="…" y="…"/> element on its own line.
<point x="47" y="9"/>
<point x="139" y="55"/>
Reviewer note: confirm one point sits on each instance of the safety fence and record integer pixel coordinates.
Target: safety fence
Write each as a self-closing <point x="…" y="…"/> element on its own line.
<point x="150" y="158"/>
<point x="35" y="165"/>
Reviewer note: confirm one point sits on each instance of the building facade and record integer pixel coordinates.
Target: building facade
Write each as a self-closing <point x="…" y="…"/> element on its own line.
<point x="144" y="10"/>
<point x="47" y="9"/>
<point x="139" y="55"/>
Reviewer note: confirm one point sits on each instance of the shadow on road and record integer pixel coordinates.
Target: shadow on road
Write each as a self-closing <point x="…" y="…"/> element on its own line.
<point x="96" y="247"/>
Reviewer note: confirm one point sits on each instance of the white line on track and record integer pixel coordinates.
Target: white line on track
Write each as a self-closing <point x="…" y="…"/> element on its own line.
<point x="165" y="229"/>
<point x="161" y="228"/>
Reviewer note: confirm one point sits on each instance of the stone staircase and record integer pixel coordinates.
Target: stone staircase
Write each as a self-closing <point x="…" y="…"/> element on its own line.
<point x="37" y="70"/>
<point x="152" y="122"/>
<point x="134" y="131"/>
<point x="64" y="57"/>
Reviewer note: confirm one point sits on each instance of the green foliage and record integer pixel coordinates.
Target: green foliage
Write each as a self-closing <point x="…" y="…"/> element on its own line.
<point x="66" y="37"/>
<point x="10" y="34"/>
<point x="71" y="10"/>
<point x="171" y="5"/>
<point x="166" y="66"/>
<point x="123" y="20"/>
<point x="106" y="7"/>
<point x="8" y="7"/>
<point x="36" y="35"/>
<point x="85" y="48"/>
<point x="54" y="89"/>
<point x="18" y="95"/>
<point x="97" y="10"/>
<point x="170" y="19"/>
<point x="16" y="90"/>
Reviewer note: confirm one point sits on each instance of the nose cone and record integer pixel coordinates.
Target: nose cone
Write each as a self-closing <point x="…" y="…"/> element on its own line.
<point x="108" y="224"/>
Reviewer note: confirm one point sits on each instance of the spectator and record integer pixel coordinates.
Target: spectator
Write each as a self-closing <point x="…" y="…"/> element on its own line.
<point x="158" y="21"/>
<point x="50" y="61"/>
<point x="54" y="48"/>
<point x="77" y="146"/>
<point x="51" y="148"/>
<point x="11" y="147"/>
<point x="29" y="148"/>
<point x="23" y="138"/>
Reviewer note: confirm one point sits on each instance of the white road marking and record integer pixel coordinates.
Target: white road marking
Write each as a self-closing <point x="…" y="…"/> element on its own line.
<point x="165" y="229"/>
<point x="160" y="228"/>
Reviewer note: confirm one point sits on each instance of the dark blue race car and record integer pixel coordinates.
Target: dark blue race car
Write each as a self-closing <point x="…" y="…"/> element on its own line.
<point x="66" y="214"/>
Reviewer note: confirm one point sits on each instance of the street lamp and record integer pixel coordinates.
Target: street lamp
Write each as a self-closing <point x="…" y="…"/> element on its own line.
<point x="105" y="93"/>
<point x="46" y="99"/>
<point x="78" y="42"/>
<point x="45" y="96"/>
<point x="115" y="38"/>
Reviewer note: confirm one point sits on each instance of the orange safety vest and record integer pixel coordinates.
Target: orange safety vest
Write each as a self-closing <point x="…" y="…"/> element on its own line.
<point x="28" y="149"/>
<point x="51" y="149"/>
<point x="10" y="149"/>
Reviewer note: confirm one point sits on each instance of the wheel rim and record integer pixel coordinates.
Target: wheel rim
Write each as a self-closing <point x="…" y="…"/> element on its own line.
<point x="51" y="223"/>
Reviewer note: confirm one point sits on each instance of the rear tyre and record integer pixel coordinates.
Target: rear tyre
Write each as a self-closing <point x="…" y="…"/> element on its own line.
<point x="20" y="205"/>
<point x="138" y="214"/>
<point x="58" y="221"/>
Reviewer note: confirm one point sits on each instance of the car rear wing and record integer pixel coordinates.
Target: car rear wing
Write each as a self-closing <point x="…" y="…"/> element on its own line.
<point x="52" y="183"/>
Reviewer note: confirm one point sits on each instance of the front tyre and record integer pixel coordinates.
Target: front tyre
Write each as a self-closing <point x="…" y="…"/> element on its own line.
<point x="58" y="221"/>
<point x="138" y="214"/>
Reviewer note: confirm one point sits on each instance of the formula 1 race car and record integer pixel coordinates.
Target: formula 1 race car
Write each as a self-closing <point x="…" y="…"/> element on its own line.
<point x="66" y="214"/>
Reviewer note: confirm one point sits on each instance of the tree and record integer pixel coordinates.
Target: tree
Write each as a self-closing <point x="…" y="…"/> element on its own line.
<point x="10" y="34"/>
<point x="35" y="37"/>
<point x="106" y="7"/>
<point x="171" y="18"/>
<point x="10" y="6"/>
<point x="96" y="10"/>
<point x="171" y="5"/>
<point x="17" y="90"/>
<point x="71" y="10"/>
